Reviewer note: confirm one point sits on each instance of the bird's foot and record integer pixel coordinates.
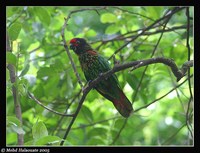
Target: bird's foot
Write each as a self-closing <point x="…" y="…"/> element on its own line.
<point x="101" y="74"/>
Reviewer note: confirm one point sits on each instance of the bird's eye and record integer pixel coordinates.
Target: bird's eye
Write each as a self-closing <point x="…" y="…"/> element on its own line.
<point x="78" y="42"/>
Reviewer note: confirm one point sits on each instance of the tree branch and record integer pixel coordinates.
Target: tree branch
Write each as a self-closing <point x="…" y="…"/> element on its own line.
<point x="148" y="28"/>
<point x="162" y="95"/>
<point x="12" y="72"/>
<point x="135" y="64"/>
<point x="49" y="109"/>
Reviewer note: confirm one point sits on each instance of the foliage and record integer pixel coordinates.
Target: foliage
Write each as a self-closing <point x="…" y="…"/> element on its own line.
<point x="43" y="68"/>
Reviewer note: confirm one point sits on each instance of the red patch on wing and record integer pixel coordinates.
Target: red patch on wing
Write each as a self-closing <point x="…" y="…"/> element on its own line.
<point x="91" y="52"/>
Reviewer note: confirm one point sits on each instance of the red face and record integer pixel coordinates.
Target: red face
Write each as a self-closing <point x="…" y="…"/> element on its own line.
<point x="77" y="45"/>
<point x="74" y="42"/>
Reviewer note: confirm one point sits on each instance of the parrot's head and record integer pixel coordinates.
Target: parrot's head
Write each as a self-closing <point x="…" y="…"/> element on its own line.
<point x="79" y="45"/>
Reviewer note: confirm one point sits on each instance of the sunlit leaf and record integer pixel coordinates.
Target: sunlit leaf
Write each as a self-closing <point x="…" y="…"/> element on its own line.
<point x="43" y="15"/>
<point x="39" y="130"/>
<point x="14" y="30"/>
<point x="11" y="58"/>
<point x="108" y="18"/>
<point x="112" y="29"/>
<point x="13" y="120"/>
<point x="90" y="33"/>
<point x="15" y="124"/>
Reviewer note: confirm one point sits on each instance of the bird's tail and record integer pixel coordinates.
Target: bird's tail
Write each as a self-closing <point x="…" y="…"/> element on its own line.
<point x="123" y="105"/>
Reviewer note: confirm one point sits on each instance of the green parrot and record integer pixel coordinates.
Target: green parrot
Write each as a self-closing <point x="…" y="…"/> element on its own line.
<point x="93" y="64"/>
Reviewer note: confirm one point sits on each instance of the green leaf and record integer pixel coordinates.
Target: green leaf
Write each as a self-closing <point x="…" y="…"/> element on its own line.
<point x="87" y="113"/>
<point x="39" y="130"/>
<point x="14" y="30"/>
<point x="69" y="35"/>
<point x="132" y="81"/>
<point x="90" y="33"/>
<point x="39" y="91"/>
<point x="44" y="71"/>
<point x="26" y="65"/>
<point x="13" y="11"/>
<point x="119" y="123"/>
<point x="25" y="70"/>
<point x="96" y="140"/>
<point x="11" y="138"/>
<point x="112" y="29"/>
<point x="98" y="132"/>
<point x="14" y="124"/>
<point x="108" y="18"/>
<point x="11" y="58"/>
<point x="18" y="130"/>
<point x="29" y="143"/>
<point x="48" y="140"/>
<point x="43" y="15"/>
<point x="57" y="66"/>
<point x="13" y="120"/>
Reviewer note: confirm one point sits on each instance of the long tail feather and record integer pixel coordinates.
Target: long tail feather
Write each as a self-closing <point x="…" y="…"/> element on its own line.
<point x="123" y="105"/>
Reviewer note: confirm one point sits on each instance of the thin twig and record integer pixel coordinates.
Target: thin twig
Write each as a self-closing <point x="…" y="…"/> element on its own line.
<point x="163" y="95"/>
<point x="172" y="136"/>
<point x="147" y="28"/>
<point x="124" y="37"/>
<point x="35" y="49"/>
<point x="118" y="134"/>
<point x="174" y="84"/>
<point x="92" y="124"/>
<point x="189" y="82"/>
<point x="16" y="18"/>
<point x="49" y="109"/>
<point x="46" y="57"/>
<point x="60" y="120"/>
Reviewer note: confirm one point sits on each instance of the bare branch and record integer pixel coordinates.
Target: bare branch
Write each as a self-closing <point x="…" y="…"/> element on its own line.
<point x="118" y="134"/>
<point x="92" y="124"/>
<point x="49" y="109"/>
<point x="60" y="120"/>
<point x="172" y="136"/>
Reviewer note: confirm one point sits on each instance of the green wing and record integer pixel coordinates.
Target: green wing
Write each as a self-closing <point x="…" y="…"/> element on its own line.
<point x="98" y="65"/>
<point x="109" y="87"/>
<point x="106" y="67"/>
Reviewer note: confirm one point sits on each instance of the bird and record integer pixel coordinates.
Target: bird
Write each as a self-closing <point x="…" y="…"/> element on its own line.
<point x="93" y="65"/>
